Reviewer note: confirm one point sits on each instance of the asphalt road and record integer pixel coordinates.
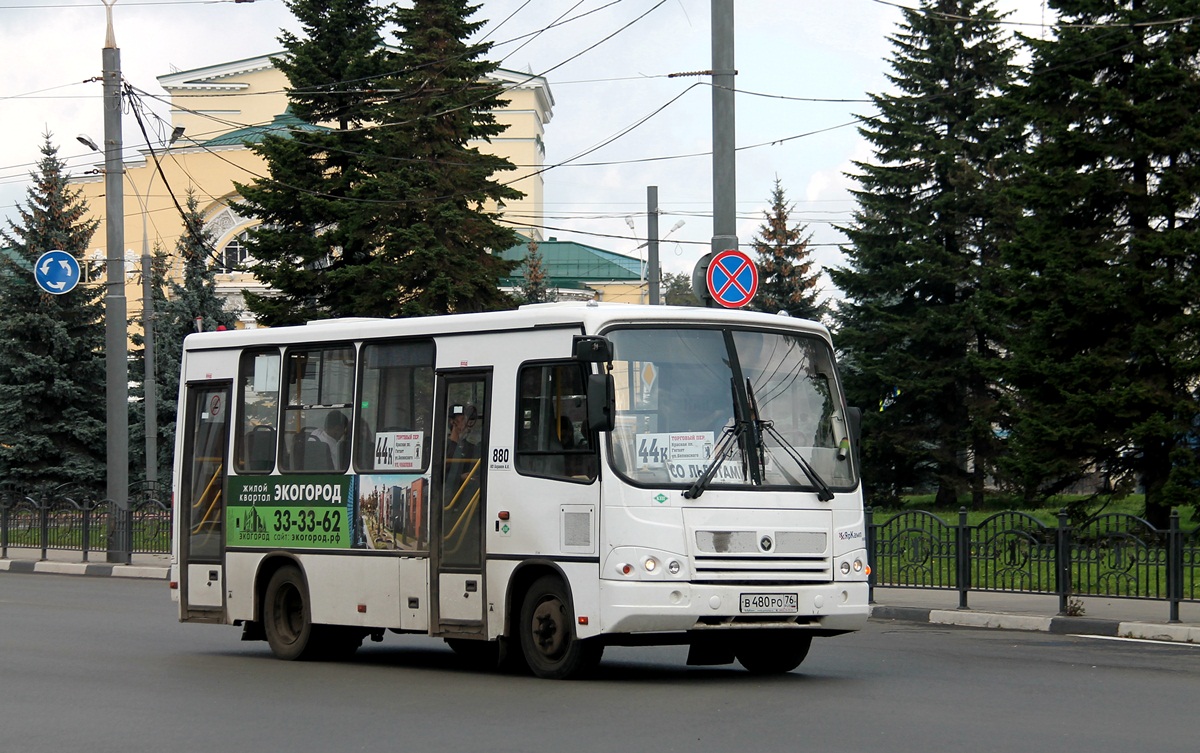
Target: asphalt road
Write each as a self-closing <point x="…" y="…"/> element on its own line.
<point x="101" y="664"/>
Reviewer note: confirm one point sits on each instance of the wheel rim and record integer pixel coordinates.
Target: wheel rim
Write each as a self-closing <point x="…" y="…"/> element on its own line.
<point x="289" y="613"/>
<point x="548" y="628"/>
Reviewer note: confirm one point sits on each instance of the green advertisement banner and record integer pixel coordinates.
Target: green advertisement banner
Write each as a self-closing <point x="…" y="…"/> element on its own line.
<point x="304" y="512"/>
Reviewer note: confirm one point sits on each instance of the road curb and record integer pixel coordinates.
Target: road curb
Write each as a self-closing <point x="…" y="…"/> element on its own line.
<point x="149" y="572"/>
<point x="1056" y="625"/>
<point x="1153" y="632"/>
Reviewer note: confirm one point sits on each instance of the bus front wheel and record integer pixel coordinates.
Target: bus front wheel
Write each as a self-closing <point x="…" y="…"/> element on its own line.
<point x="547" y="633"/>
<point x="286" y="619"/>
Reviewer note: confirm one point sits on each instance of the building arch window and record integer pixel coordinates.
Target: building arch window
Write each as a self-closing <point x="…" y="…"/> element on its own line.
<point x="233" y="256"/>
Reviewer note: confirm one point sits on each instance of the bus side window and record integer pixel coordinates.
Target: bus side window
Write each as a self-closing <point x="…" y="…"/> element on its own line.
<point x="317" y="416"/>
<point x="553" y="439"/>
<point x="396" y="398"/>
<point x="260" y="448"/>
<point x="258" y="415"/>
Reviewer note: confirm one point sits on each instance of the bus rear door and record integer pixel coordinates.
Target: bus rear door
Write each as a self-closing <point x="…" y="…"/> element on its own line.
<point x="202" y="492"/>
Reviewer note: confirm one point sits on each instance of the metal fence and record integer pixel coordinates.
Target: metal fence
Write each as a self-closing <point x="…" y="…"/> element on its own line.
<point x="1111" y="555"/>
<point x="71" y="518"/>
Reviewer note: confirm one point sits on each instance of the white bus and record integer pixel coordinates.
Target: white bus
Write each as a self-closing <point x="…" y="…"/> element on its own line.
<point x="528" y="485"/>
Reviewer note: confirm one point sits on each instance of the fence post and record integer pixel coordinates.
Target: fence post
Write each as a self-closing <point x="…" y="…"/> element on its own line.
<point x="962" y="558"/>
<point x="1062" y="561"/>
<point x="87" y="527"/>
<point x="869" y="516"/>
<point x="1174" y="566"/>
<point x="44" y="525"/>
<point x="4" y="519"/>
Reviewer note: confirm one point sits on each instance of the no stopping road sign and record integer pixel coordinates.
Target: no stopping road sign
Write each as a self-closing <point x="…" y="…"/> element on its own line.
<point x="732" y="279"/>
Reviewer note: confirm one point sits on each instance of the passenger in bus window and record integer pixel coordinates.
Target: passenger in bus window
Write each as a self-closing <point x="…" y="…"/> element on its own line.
<point x="333" y="434"/>
<point x="462" y="418"/>
<point x="459" y="449"/>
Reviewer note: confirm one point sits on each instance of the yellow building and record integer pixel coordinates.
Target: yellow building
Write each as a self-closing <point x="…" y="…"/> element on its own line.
<point x="221" y="107"/>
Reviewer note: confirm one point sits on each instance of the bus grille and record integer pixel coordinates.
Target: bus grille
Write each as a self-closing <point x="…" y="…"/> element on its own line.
<point x="772" y="556"/>
<point x="763" y="570"/>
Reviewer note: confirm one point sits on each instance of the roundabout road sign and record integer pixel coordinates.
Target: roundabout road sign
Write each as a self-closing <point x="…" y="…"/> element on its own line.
<point x="56" y="272"/>
<point x="732" y="279"/>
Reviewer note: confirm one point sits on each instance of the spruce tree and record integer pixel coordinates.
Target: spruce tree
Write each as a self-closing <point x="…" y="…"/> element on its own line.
<point x="924" y="245"/>
<point x="52" y="373"/>
<point x="314" y="223"/>
<point x="1104" y="293"/>
<point x="786" y="278"/>
<point x="380" y="213"/>
<point x="439" y="253"/>
<point x="535" y="286"/>
<point x="188" y="303"/>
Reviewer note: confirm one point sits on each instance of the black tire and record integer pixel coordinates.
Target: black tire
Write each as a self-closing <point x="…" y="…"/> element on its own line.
<point x="547" y="633"/>
<point x="772" y="653"/>
<point x="286" y="617"/>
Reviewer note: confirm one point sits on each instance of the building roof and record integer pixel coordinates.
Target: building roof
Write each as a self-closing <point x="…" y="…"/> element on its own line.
<point x="216" y="78"/>
<point x="11" y="255"/>
<point x="282" y="125"/>
<point x="571" y="265"/>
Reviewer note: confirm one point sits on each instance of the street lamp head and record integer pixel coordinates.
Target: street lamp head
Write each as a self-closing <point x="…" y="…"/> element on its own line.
<point x="175" y="135"/>
<point x="86" y="140"/>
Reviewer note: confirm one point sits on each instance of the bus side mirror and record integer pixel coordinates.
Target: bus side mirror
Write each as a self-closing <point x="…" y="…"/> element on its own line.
<point x="854" y="420"/>
<point x="592" y="348"/>
<point x="602" y="402"/>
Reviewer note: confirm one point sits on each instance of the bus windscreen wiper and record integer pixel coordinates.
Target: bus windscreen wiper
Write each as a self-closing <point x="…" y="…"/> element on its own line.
<point x="824" y="493"/>
<point x="724" y="448"/>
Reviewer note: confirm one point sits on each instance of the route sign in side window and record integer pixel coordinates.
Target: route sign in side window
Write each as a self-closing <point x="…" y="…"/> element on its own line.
<point x="395" y="411"/>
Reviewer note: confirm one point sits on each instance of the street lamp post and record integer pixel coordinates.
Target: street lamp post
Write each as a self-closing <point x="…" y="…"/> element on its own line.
<point x="649" y="279"/>
<point x="116" y="336"/>
<point x="150" y="379"/>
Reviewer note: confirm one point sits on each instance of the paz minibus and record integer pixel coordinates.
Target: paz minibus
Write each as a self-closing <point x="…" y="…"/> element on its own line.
<point x="530" y="486"/>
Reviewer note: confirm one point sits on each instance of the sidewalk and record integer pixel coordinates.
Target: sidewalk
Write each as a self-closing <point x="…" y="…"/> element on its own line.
<point x="1117" y="618"/>
<point x="70" y="562"/>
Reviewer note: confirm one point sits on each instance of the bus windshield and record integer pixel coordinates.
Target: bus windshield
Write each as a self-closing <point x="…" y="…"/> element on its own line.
<point x="681" y="390"/>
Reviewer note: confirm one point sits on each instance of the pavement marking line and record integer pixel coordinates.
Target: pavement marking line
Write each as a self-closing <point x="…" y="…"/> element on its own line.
<point x="1134" y="640"/>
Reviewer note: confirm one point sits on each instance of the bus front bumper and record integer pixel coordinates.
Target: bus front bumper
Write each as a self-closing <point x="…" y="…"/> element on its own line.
<point x="656" y="606"/>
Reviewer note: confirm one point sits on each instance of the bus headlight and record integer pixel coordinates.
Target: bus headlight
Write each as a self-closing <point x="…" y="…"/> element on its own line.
<point x="852" y="566"/>
<point x="637" y="563"/>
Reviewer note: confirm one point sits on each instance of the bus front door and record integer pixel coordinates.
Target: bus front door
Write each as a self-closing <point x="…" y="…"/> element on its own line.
<point x="463" y="408"/>
<point x="202" y="488"/>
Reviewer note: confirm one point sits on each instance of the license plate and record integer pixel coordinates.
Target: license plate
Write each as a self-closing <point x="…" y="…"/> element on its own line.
<point x="769" y="604"/>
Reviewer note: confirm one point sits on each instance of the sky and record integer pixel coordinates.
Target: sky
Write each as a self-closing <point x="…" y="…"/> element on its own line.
<point x="620" y="123"/>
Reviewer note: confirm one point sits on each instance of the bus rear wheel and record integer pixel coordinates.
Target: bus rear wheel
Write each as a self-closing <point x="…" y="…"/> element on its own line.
<point x="547" y="633"/>
<point x="285" y="615"/>
<point x="772" y="653"/>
